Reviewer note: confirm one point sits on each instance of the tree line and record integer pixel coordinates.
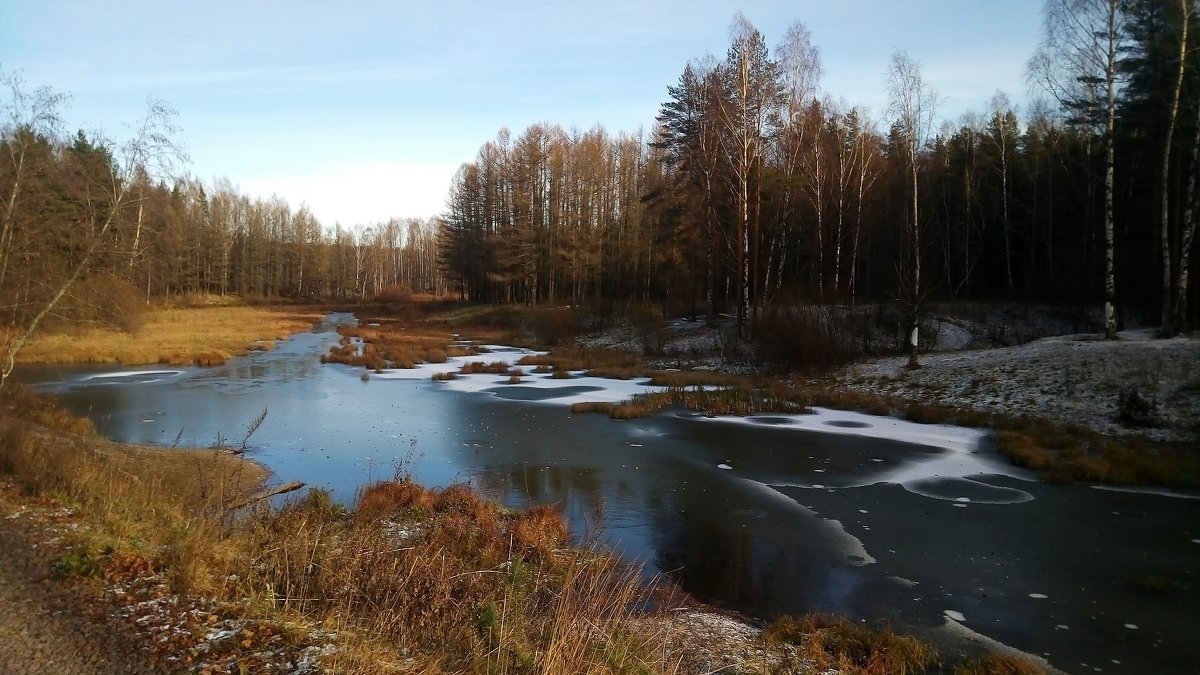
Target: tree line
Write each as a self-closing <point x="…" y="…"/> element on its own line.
<point x="93" y="229"/>
<point x="755" y="187"/>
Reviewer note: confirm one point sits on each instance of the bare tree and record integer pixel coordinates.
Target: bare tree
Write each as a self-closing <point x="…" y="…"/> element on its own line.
<point x="913" y="105"/>
<point x="1077" y="63"/>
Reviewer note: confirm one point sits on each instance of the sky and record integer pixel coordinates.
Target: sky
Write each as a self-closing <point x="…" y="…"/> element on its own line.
<point x="364" y="110"/>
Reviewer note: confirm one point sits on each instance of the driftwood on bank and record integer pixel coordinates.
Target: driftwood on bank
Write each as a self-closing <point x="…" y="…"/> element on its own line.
<point x="258" y="497"/>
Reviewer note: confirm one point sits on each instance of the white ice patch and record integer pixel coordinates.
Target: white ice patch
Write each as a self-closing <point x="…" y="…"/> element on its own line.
<point x="140" y="376"/>
<point x="957" y="616"/>
<point x="1131" y="626"/>
<point x="962" y="444"/>
<point x="1161" y="492"/>
<point x="724" y="466"/>
<point x="848" y="545"/>
<point x="955" y="627"/>
<point x="1038" y="596"/>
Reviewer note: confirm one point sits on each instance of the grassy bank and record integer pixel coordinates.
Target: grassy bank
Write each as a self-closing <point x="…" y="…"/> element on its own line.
<point x="174" y="336"/>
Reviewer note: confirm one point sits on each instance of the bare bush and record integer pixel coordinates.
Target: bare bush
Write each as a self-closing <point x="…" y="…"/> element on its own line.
<point x="805" y="339"/>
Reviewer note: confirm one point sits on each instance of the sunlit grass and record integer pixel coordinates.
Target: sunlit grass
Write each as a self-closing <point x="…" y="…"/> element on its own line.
<point x="199" y="335"/>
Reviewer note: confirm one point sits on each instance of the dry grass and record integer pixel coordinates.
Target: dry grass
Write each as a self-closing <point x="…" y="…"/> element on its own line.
<point x="590" y="359"/>
<point x="162" y="506"/>
<point x="850" y="648"/>
<point x="998" y="664"/>
<point x="479" y="367"/>
<point x="199" y="335"/>
<point x="1070" y="454"/>
<point x="455" y="583"/>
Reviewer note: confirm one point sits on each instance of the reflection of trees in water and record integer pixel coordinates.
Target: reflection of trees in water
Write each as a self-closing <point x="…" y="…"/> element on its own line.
<point x="758" y="566"/>
<point x="578" y="490"/>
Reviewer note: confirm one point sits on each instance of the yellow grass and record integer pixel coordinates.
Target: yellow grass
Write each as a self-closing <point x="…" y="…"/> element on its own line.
<point x="200" y="335"/>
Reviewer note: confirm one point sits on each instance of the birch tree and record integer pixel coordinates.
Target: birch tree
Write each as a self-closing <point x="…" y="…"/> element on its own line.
<point x="1077" y="63"/>
<point x="149" y="146"/>
<point x="752" y="94"/>
<point x="912" y="104"/>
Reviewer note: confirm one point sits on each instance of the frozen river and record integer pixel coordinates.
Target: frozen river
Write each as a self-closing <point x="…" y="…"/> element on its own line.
<point x="870" y="517"/>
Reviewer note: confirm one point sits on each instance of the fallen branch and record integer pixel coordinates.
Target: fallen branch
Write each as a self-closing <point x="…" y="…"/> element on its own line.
<point x="282" y="489"/>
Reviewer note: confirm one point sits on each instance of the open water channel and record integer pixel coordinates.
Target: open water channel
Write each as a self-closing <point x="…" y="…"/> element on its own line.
<point x="779" y="514"/>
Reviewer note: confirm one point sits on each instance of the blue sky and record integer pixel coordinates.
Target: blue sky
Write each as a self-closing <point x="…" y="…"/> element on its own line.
<point x="364" y="110"/>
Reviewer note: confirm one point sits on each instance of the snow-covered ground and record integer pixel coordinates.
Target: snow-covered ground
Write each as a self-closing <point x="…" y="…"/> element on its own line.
<point x="1069" y="379"/>
<point x="1063" y="376"/>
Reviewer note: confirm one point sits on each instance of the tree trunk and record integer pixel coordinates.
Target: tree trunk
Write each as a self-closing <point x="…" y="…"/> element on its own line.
<point x="1167" y="326"/>
<point x="1110" y="272"/>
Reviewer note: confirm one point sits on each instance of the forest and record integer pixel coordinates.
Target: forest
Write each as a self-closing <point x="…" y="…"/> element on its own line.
<point x="754" y="188"/>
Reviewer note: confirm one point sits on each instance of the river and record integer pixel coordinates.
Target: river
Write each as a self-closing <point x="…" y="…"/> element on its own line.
<point x="933" y="532"/>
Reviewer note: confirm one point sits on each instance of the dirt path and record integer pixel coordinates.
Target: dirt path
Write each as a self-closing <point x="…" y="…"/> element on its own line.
<point x="52" y="626"/>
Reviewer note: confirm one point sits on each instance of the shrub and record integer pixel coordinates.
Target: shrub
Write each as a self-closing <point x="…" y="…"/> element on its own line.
<point x="1134" y="409"/>
<point x="805" y="339"/>
<point x="540" y="530"/>
<point x="388" y="498"/>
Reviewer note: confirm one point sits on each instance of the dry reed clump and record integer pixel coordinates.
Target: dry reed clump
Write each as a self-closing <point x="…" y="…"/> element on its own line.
<point x="602" y="407"/>
<point x="838" y="643"/>
<point x="479" y="367"/>
<point x="388" y="345"/>
<point x="445" y="376"/>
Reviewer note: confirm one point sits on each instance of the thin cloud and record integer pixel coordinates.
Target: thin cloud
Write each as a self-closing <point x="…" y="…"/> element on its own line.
<point x="293" y="77"/>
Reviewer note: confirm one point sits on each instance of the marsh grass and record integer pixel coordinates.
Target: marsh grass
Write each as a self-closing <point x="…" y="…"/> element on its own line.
<point x="392" y="345"/>
<point x="997" y="664"/>
<point x="163" y="507"/>
<point x="413" y="579"/>
<point x="479" y="367"/>
<point x="1070" y="454"/>
<point x="178" y="336"/>
<point x="851" y="648"/>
